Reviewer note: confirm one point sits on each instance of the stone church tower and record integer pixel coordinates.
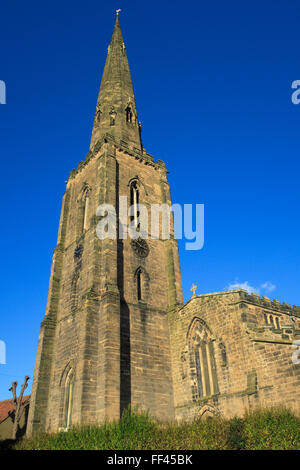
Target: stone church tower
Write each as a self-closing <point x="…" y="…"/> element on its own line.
<point x="116" y="332"/>
<point x="104" y="341"/>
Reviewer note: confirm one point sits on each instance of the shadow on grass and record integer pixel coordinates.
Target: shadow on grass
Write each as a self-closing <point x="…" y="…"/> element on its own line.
<point x="7" y="444"/>
<point x="236" y="437"/>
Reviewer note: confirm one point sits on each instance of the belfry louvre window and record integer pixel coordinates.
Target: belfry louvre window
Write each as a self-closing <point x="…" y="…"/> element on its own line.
<point x="139" y="284"/>
<point x="134" y="201"/>
<point x="85" y="213"/>
<point x="141" y="280"/>
<point x="202" y="358"/>
<point x="128" y="114"/>
<point x="85" y="208"/>
<point x="83" y="219"/>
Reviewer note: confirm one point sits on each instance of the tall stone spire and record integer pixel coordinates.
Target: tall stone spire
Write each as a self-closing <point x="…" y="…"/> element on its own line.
<point x="116" y="109"/>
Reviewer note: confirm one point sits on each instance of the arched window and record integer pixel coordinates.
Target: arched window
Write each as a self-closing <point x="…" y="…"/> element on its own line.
<point x="85" y="210"/>
<point x="134" y="201"/>
<point x="98" y="113"/>
<point x="271" y="320"/>
<point x="74" y="292"/>
<point x="199" y="373"/>
<point x="266" y="319"/>
<point x="141" y="280"/>
<point x="277" y="323"/>
<point x="112" y="115"/>
<point x="139" y="284"/>
<point x="69" y="385"/>
<point x="83" y="218"/>
<point x="202" y="360"/>
<point x="128" y="114"/>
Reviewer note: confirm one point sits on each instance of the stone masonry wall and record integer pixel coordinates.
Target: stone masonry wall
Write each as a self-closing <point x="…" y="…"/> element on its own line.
<point x="117" y="346"/>
<point x="253" y="361"/>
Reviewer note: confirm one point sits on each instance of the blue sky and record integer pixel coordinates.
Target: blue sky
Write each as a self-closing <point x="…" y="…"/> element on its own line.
<point x="213" y="88"/>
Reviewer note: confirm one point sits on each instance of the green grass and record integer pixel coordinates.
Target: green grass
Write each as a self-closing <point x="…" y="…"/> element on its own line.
<point x="265" y="429"/>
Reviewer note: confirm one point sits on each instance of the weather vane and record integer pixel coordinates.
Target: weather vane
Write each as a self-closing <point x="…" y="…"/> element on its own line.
<point x="118" y="11"/>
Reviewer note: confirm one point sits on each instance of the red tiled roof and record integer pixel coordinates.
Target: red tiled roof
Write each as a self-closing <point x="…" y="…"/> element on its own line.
<point x="6" y="406"/>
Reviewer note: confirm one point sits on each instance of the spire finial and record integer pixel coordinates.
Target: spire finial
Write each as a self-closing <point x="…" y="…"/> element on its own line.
<point x="118" y="11"/>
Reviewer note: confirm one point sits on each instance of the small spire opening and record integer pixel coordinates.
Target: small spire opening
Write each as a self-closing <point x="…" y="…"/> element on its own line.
<point x="128" y="114"/>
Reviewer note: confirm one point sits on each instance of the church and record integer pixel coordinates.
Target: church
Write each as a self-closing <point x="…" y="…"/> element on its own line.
<point x="116" y="333"/>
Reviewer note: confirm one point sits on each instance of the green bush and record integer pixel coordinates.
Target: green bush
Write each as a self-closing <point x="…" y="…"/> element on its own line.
<point x="262" y="429"/>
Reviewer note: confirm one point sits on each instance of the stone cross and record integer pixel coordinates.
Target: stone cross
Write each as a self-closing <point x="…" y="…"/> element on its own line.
<point x="193" y="289"/>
